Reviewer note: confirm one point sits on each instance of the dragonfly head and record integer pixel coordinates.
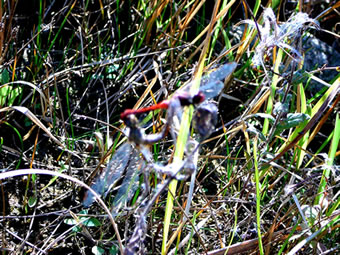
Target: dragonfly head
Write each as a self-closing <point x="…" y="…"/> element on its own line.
<point x="186" y="100"/>
<point x="198" y="98"/>
<point x="125" y="115"/>
<point x="130" y="121"/>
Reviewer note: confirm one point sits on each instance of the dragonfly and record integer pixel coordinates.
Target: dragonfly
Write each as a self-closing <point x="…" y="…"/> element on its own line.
<point x="124" y="158"/>
<point x="126" y="162"/>
<point x="211" y="87"/>
<point x="127" y="165"/>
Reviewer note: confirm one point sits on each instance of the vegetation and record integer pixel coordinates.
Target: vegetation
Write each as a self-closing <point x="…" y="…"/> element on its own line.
<point x="265" y="181"/>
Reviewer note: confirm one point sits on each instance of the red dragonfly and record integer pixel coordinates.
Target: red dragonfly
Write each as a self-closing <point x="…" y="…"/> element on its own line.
<point x="211" y="86"/>
<point x="126" y="158"/>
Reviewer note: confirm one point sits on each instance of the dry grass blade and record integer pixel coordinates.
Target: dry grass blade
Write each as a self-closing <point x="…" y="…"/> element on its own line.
<point x="32" y="117"/>
<point x="36" y="88"/>
<point x="11" y="174"/>
<point x="246" y="246"/>
<point x="72" y="74"/>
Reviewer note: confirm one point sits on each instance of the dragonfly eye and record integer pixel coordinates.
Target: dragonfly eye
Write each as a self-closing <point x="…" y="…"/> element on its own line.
<point x="131" y="121"/>
<point x="198" y="98"/>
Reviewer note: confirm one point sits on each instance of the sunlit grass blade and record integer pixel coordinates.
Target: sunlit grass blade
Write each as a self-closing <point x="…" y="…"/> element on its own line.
<point x="274" y="81"/>
<point x="181" y="142"/>
<point x="258" y="196"/>
<point x="329" y="163"/>
<point x="303" y="143"/>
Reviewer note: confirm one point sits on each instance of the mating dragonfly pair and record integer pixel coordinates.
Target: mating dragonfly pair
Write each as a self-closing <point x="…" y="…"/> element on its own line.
<point x="126" y="158"/>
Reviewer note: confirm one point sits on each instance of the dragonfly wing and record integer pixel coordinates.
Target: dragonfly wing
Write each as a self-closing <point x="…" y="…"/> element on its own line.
<point x="223" y="71"/>
<point x="118" y="164"/>
<point x="211" y="84"/>
<point x="128" y="188"/>
<point x="111" y="174"/>
<point x="212" y="89"/>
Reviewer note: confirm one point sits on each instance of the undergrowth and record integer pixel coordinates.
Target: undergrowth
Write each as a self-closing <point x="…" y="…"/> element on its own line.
<point x="265" y="181"/>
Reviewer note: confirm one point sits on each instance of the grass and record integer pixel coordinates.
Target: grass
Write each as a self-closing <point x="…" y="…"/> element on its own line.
<point x="266" y="181"/>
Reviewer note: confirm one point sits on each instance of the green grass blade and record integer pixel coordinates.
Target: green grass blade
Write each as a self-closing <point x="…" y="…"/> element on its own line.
<point x="271" y="98"/>
<point x="331" y="157"/>
<point x="258" y="197"/>
<point x="180" y="147"/>
<point x="303" y="143"/>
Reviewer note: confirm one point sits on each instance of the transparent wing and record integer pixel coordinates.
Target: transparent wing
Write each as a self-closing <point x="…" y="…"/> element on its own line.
<point x="219" y="74"/>
<point x="212" y="89"/>
<point x="211" y="84"/>
<point x="128" y="188"/>
<point x="112" y="173"/>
